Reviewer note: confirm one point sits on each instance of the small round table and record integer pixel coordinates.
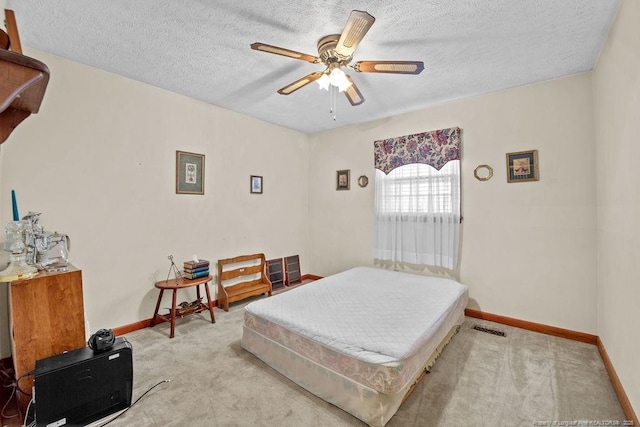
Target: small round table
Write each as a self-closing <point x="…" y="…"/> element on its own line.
<point x="181" y="283"/>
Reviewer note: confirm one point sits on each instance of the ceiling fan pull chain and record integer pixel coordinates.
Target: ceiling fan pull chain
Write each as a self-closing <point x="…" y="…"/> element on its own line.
<point x="332" y="110"/>
<point x="330" y="101"/>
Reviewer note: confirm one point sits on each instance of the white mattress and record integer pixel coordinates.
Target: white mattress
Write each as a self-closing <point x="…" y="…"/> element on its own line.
<point x="387" y="323"/>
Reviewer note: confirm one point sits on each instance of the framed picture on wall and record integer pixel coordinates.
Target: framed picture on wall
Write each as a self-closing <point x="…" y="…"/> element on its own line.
<point x="522" y="166"/>
<point x="256" y="184"/>
<point x="342" y="179"/>
<point x="189" y="173"/>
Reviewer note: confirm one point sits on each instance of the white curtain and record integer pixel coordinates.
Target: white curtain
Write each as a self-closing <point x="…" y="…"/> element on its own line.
<point x="417" y="214"/>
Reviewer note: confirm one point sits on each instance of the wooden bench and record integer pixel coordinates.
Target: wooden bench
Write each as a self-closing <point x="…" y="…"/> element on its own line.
<point x="238" y="279"/>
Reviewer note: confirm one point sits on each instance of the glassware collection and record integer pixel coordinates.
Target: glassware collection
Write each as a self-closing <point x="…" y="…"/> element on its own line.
<point x="31" y="248"/>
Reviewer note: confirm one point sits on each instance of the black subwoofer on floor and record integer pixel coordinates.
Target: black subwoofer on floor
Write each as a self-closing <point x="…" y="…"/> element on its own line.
<point x="81" y="386"/>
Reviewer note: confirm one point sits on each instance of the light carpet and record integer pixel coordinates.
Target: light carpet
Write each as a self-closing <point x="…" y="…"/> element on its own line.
<point x="523" y="379"/>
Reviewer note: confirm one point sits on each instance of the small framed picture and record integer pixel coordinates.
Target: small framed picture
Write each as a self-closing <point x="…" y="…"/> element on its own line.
<point x="256" y="184"/>
<point x="342" y="179"/>
<point x="522" y="166"/>
<point x="189" y="173"/>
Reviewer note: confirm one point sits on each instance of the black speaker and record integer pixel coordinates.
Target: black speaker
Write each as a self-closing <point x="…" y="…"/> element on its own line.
<point x="81" y="386"/>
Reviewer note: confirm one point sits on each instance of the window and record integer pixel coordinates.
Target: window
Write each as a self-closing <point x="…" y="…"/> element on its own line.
<point x="417" y="214"/>
<point x="420" y="189"/>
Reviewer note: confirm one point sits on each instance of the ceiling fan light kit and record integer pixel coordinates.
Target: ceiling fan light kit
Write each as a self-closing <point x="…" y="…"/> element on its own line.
<point x="336" y="51"/>
<point x="336" y="78"/>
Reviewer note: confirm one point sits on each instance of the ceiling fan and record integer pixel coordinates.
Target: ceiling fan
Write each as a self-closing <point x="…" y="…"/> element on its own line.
<point x="336" y="51"/>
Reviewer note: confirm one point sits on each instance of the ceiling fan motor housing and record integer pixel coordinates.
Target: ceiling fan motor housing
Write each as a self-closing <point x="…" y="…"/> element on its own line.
<point x="327" y="51"/>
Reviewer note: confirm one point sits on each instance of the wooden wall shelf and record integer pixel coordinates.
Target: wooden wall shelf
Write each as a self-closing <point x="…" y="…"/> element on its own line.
<point x="23" y="81"/>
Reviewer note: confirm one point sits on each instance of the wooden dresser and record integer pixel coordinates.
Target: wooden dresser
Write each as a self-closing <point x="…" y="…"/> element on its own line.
<point x="46" y="317"/>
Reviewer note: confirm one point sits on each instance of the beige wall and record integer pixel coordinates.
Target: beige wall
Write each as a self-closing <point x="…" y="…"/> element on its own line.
<point x="616" y="83"/>
<point x="528" y="249"/>
<point x="99" y="162"/>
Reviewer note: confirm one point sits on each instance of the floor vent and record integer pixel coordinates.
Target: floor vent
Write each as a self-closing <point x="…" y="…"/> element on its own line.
<point x="489" y="331"/>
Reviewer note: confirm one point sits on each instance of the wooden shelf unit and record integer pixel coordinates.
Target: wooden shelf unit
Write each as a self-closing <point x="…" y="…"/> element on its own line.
<point x="292" y="269"/>
<point x="275" y="272"/>
<point x="46" y="318"/>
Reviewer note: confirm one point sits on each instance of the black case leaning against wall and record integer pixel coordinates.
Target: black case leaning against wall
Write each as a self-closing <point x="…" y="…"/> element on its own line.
<point x="81" y="386"/>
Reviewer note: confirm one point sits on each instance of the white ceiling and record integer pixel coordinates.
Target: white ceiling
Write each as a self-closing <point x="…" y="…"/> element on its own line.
<point x="200" y="48"/>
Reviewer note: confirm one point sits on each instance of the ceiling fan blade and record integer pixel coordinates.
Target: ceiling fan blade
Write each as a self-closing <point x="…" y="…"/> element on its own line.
<point x="394" y="67"/>
<point x="353" y="93"/>
<point x="285" y="52"/>
<point x="292" y="87"/>
<point x="355" y="29"/>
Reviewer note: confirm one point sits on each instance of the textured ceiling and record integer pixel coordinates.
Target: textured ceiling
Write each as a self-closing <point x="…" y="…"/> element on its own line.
<point x="201" y="48"/>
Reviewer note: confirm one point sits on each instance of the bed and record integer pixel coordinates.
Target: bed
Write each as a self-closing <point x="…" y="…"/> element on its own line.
<point x="359" y="339"/>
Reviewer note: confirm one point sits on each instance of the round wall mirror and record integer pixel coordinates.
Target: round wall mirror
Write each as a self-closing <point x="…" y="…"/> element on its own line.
<point x="483" y="173"/>
<point x="363" y="181"/>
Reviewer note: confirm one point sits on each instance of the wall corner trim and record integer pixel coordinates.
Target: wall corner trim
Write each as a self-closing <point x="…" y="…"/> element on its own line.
<point x="617" y="385"/>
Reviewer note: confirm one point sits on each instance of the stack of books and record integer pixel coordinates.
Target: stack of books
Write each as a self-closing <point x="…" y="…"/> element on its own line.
<point x="196" y="269"/>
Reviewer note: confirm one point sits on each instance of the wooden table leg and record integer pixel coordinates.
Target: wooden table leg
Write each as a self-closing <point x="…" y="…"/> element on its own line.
<point x="173" y="313"/>
<point x="155" y="313"/>
<point x="206" y="288"/>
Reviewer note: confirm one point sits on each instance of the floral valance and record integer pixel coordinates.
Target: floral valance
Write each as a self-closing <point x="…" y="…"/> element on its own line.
<point x="434" y="148"/>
